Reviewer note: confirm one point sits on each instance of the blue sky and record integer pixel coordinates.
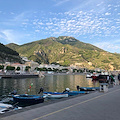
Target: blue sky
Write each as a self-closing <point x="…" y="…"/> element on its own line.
<point x="91" y="21"/>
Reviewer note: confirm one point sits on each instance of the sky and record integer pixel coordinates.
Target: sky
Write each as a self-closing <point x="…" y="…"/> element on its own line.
<point x="91" y="21"/>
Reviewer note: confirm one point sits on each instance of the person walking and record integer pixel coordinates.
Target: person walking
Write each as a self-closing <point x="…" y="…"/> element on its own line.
<point x="41" y="91"/>
<point x="119" y="78"/>
<point x="112" y="79"/>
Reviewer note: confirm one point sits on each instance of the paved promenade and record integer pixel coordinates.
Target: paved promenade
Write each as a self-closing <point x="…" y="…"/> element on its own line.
<point x="94" y="106"/>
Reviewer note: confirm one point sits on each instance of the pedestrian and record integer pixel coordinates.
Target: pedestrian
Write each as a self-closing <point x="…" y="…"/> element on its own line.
<point x="78" y="87"/>
<point x="119" y="78"/>
<point x="108" y="79"/>
<point x="41" y="91"/>
<point x="112" y="79"/>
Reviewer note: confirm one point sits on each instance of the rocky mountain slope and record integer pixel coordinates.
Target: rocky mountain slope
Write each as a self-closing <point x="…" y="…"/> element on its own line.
<point x="66" y="51"/>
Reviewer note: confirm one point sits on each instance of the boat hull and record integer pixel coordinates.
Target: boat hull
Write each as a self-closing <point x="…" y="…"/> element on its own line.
<point x="103" y="78"/>
<point x="28" y="99"/>
<point x="55" y="94"/>
<point x="4" y="107"/>
<point x="71" y="93"/>
<point x="89" y="88"/>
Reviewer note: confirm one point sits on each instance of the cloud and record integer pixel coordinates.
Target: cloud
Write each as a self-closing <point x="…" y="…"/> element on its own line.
<point x="110" y="46"/>
<point x="79" y="23"/>
<point x="8" y="36"/>
<point x="60" y="2"/>
<point x="99" y="4"/>
<point x="21" y="16"/>
<point x="107" y="13"/>
<point x="11" y="36"/>
<point x="89" y="19"/>
<point x="37" y="31"/>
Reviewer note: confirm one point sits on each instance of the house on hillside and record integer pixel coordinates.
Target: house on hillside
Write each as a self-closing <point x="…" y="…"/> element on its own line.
<point x="22" y="67"/>
<point x="32" y="64"/>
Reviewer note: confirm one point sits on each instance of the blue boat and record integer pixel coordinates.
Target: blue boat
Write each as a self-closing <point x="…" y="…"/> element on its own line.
<point x="89" y="88"/>
<point x="55" y="94"/>
<point x="71" y="93"/>
<point x="26" y="99"/>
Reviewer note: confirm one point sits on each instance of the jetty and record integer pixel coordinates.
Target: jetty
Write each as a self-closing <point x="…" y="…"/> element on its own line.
<point x="19" y="75"/>
<point x="94" y="106"/>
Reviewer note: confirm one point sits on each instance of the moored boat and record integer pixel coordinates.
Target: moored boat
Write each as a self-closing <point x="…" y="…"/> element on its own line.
<point x="95" y="76"/>
<point x="55" y="94"/>
<point x="88" y="75"/>
<point x="71" y="93"/>
<point x="4" y="107"/>
<point x="103" y="78"/>
<point x="26" y="99"/>
<point x="89" y="88"/>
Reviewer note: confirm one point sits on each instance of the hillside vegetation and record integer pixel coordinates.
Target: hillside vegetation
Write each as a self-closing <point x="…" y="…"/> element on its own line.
<point x="66" y="51"/>
<point x="8" y="55"/>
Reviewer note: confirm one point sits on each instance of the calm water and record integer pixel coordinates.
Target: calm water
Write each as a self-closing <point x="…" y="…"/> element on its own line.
<point x="52" y="83"/>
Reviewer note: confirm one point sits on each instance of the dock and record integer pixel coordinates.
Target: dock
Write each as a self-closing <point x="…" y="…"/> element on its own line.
<point x="94" y="106"/>
<point x="20" y="76"/>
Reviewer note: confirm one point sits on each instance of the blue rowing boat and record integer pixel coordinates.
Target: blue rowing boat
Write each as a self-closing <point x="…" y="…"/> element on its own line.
<point x="89" y="88"/>
<point x="71" y="93"/>
<point x="55" y="94"/>
<point x="28" y="99"/>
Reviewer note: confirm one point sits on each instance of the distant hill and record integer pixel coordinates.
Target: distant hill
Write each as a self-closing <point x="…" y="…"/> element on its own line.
<point x="74" y="42"/>
<point x="8" y="55"/>
<point x="66" y="51"/>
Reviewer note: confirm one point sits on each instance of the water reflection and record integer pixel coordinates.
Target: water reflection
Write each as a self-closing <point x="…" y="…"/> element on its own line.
<point x="52" y="83"/>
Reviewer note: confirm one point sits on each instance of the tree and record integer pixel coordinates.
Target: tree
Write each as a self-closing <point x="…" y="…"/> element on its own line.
<point x="10" y="68"/>
<point x="49" y="69"/>
<point x="18" y="68"/>
<point x="1" y="67"/>
<point x="27" y="68"/>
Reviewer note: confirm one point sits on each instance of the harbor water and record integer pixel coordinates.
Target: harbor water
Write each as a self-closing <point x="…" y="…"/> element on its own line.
<point x="53" y="83"/>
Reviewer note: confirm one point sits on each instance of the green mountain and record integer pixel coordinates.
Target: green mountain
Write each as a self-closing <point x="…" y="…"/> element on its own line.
<point x="74" y="42"/>
<point x="67" y="50"/>
<point x="8" y="55"/>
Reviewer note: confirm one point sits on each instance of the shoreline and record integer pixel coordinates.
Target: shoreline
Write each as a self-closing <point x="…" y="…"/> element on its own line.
<point x="65" y="74"/>
<point x="19" y="76"/>
<point x="35" y="75"/>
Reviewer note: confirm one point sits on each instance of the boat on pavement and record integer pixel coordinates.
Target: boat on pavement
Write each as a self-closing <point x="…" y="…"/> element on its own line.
<point x="4" y="107"/>
<point x="71" y="93"/>
<point x="55" y="94"/>
<point x="28" y="99"/>
<point x="89" y="88"/>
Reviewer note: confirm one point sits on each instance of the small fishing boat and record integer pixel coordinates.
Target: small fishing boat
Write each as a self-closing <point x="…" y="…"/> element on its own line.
<point x="88" y="75"/>
<point x="4" y="107"/>
<point x="103" y="78"/>
<point x="95" y="76"/>
<point x="28" y="99"/>
<point x="71" y="93"/>
<point x="89" y="88"/>
<point x="7" y="107"/>
<point x="55" y="94"/>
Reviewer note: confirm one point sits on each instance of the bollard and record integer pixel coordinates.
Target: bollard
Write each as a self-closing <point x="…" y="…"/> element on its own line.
<point x="103" y="87"/>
